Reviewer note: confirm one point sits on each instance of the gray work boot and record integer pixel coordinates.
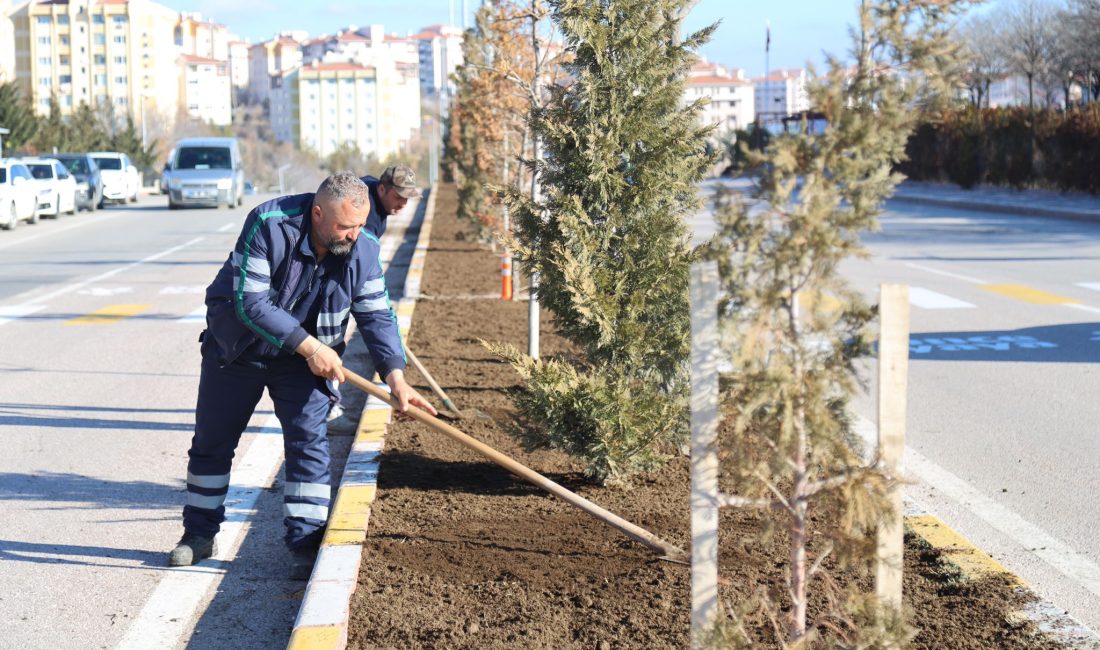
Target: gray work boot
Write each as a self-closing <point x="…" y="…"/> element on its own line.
<point x="301" y="562"/>
<point x="192" y="549"/>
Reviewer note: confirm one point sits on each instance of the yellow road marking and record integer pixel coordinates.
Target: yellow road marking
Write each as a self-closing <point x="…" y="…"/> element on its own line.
<point x="1027" y="294"/>
<point x="107" y="315"/>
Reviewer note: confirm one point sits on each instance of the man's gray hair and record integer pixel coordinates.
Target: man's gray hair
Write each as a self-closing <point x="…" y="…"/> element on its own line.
<point x="343" y="186"/>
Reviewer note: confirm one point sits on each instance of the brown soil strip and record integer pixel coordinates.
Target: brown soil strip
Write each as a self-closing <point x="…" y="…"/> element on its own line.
<point x="461" y="554"/>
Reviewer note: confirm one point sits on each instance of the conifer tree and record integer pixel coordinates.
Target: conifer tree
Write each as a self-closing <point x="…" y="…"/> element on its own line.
<point x="607" y="236"/>
<point x="792" y="449"/>
<point x="16" y="115"/>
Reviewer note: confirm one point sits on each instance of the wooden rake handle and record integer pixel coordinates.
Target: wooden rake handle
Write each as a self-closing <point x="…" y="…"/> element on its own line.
<point x="640" y="535"/>
<point x="447" y="403"/>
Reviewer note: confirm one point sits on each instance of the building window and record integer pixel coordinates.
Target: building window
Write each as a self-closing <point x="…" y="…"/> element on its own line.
<point x="120" y="39"/>
<point x="63" y="19"/>
<point x="120" y="59"/>
<point x="100" y="39"/>
<point x="43" y="40"/>
<point x="67" y="101"/>
<point x="43" y="20"/>
<point x="101" y="80"/>
<point x="120" y="101"/>
<point x="65" y="79"/>
<point x="64" y="39"/>
<point x="101" y="59"/>
<point x="64" y="59"/>
<point x="97" y="19"/>
<point x="120" y="80"/>
<point x="120" y="19"/>
<point x="45" y="82"/>
<point x="44" y="61"/>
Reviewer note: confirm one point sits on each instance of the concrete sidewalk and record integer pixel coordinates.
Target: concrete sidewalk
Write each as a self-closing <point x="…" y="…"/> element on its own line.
<point x="1077" y="206"/>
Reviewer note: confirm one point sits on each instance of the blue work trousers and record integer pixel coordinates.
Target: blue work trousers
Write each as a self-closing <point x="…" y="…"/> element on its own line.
<point x="227" y="398"/>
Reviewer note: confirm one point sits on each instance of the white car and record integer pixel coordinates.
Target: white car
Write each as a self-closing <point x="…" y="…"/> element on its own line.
<point x="18" y="194"/>
<point x="56" y="186"/>
<point x="120" y="178"/>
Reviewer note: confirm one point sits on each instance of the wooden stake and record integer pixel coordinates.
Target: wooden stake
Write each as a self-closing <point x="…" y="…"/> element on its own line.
<point x="704" y="449"/>
<point x="893" y="370"/>
<point x="636" y="533"/>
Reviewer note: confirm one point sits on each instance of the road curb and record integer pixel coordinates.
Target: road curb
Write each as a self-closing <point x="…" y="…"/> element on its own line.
<point x="1002" y="208"/>
<point x="322" y="621"/>
<point x="973" y="563"/>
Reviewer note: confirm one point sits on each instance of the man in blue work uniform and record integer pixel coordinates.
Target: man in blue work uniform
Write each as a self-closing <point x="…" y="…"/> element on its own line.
<point x="388" y="195"/>
<point x="276" y="315"/>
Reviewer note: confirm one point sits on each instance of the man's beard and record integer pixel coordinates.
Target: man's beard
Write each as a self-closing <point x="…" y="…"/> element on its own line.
<point x="339" y="247"/>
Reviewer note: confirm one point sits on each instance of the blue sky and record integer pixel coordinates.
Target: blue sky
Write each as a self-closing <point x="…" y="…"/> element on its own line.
<point x="801" y="29"/>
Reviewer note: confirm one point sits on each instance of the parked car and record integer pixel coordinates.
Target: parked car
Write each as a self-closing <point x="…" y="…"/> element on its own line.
<point x="120" y="178"/>
<point x="18" y="194"/>
<point x="205" y="172"/>
<point x="56" y="186"/>
<point x="89" y="182"/>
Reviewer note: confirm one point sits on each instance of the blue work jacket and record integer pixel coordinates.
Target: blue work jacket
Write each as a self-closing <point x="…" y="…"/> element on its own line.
<point x="249" y="304"/>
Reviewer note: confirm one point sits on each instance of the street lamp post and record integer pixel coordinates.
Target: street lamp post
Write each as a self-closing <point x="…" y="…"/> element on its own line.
<point x="282" y="168"/>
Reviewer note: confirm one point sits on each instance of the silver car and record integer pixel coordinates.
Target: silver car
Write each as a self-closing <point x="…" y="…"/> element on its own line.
<point x="205" y="172"/>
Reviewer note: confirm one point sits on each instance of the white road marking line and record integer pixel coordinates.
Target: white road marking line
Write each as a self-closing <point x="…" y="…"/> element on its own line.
<point x="1095" y="286"/>
<point x="949" y="274"/>
<point x="17" y="311"/>
<point x="103" y="276"/>
<point x="1089" y="308"/>
<point x="54" y="231"/>
<point x="196" y="316"/>
<point x="180" y="290"/>
<point x="105" y="291"/>
<point x="1055" y="553"/>
<point x="228" y="226"/>
<point x="928" y="299"/>
<point x="170" y="612"/>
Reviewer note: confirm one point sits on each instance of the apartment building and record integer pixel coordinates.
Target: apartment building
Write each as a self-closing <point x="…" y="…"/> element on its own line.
<point x="97" y="51"/>
<point x="439" y="50"/>
<point x="780" y="93"/>
<point x="271" y="59"/>
<point x="324" y="105"/>
<point x="731" y="96"/>
<point x="238" y="65"/>
<point x="206" y="89"/>
<point x="7" y="42"/>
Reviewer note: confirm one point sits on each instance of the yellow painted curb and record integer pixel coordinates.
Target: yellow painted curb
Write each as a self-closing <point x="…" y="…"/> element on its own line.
<point x="314" y="638"/>
<point x="971" y="560"/>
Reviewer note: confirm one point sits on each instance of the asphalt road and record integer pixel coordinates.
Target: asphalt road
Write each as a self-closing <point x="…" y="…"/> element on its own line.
<point x="99" y="314"/>
<point x="1002" y="408"/>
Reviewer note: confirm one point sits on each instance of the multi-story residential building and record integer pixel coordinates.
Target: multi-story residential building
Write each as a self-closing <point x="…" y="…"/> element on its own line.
<point x="731" y="95"/>
<point x="7" y="43"/>
<point x="271" y="59"/>
<point x="94" y="52"/>
<point x="206" y="89"/>
<point x="238" y="65"/>
<point x="324" y="105"/>
<point x="203" y="38"/>
<point x="779" y="94"/>
<point x="439" y="48"/>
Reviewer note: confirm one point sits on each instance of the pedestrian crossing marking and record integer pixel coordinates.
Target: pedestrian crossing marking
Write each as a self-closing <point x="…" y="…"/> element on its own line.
<point x="1027" y="294"/>
<point x="108" y="315"/>
<point x="928" y="299"/>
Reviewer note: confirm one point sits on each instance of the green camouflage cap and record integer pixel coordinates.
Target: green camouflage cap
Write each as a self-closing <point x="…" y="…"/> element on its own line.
<point x="402" y="179"/>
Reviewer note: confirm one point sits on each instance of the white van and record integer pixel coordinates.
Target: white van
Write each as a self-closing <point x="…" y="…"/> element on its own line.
<point x="205" y="172"/>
